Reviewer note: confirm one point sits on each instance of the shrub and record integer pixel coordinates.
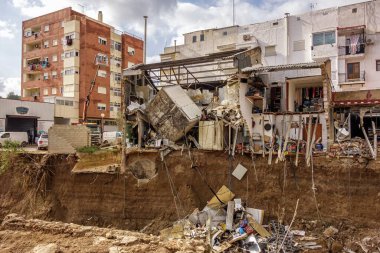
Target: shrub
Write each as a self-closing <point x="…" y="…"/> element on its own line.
<point x="87" y="149"/>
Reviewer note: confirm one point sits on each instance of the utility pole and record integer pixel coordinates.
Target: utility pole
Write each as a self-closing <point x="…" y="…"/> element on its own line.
<point x="145" y="31"/>
<point x="233" y="12"/>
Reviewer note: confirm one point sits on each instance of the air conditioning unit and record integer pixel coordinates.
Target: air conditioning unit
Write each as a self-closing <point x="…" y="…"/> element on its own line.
<point x="246" y="37"/>
<point x="132" y="52"/>
<point x="370" y="40"/>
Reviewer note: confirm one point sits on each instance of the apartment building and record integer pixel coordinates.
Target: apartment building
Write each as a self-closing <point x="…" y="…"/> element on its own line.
<point x="64" y="52"/>
<point x="324" y="62"/>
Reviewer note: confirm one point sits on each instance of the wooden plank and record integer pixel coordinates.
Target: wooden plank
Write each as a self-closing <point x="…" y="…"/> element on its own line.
<point x="300" y="127"/>
<point x="257" y="227"/>
<point x="230" y="215"/>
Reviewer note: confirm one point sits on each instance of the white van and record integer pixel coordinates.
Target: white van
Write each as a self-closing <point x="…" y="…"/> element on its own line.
<point x="111" y="137"/>
<point x="20" y="137"/>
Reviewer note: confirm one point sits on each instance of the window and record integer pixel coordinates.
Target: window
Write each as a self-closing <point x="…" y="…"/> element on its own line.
<point x="46" y="59"/>
<point x="131" y="51"/>
<point x="202" y="38"/>
<point x="102" y="107"/>
<point x="130" y="64"/>
<point x="270" y="51"/>
<point x="102" y="73"/>
<point x="299" y="45"/>
<point x="55" y="43"/>
<point x="116" y="45"/>
<point x="353" y="70"/>
<point x="225" y="33"/>
<point x="63" y="24"/>
<point x="116" y="61"/>
<point x="62" y="57"/>
<point x="275" y="23"/>
<point x="114" y="106"/>
<point x="102" y="90"/>
<point x="71" y="53"/>
<point x="47" y="28"/>
<point x="194" y="38"/>
<point x="46" y="44"/>
<point x="46" y="91"/>
<point x="102" y="41"/>
<point x="54" y="91"/>
<point x="102" y="59"/>
<point x="354" y="10"/>
<point x="71" y="71"/>
<point x="323" y="38"/>
<point x="6" y="135"/>
<point x="54" y="75"/>
<point x="117" y="77"/>
<point x="116" y="92"/>
<point x="377" y="65"/>
<point x="46" y="76"/>
<point x="54" y="58"/>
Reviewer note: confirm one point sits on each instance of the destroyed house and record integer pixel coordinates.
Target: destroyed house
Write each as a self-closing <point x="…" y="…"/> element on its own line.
<point x="236" y="103"/>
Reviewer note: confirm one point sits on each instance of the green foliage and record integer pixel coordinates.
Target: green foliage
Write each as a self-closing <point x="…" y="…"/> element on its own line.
<point x="87" y="149"/>
<point x="8" y="154"/>
<point x="12" y="95"/>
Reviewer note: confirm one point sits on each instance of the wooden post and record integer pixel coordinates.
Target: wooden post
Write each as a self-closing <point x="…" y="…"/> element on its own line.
<point x="368" y="142"/>
<point x="262" y="133"/>
<point x="374" y="139"/>
<point x="280" y="139"/>
<point x="308" y="137"/>
<point x="272" y="139"/>
<point x="299" y="138"/>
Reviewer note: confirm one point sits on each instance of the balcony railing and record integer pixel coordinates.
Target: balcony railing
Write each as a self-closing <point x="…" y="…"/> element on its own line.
<point x="348" y="50"/>
<point x="345" y="78"/>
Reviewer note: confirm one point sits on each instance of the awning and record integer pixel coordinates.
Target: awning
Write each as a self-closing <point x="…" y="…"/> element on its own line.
<point x="356" y="98"/>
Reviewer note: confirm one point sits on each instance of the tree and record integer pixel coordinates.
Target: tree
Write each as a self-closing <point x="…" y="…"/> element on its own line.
<point x="12" y="95"/>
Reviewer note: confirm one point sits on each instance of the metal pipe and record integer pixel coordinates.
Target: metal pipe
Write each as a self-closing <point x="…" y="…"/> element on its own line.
<point x="145" y="31"/>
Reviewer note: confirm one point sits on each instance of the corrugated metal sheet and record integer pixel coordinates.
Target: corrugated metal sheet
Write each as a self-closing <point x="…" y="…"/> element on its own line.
<point x="308" y="65"/>
<point x="183" y="101"/>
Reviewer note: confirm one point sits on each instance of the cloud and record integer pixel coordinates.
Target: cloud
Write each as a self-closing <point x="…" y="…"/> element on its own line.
<point x="7" y="30"/>
<point x="10" y="84"/>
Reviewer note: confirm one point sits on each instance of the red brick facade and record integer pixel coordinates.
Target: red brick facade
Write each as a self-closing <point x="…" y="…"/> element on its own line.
<point x="90" y="31"/>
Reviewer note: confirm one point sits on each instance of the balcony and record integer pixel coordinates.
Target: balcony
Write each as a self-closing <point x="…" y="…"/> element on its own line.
<point x="349" y="51"/>
<point x="352" y="79"/>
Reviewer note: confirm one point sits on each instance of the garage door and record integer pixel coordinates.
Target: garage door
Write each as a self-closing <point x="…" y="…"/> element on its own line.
<point x="20" y="124"/>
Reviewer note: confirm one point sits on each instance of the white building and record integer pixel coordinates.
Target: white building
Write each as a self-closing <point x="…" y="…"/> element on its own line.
<point x="347" y="37"/>
<point x="24" y="116"/>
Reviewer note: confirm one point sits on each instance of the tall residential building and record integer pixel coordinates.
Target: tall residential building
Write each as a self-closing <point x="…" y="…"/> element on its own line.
<point x="64" y="52"/>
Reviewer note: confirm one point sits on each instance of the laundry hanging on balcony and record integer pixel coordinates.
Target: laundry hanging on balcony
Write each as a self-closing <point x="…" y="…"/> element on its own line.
<point x="354" y="43"/>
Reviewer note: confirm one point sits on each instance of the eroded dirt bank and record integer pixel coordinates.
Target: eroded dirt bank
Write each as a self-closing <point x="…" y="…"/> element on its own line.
<point x="347" y="190"/>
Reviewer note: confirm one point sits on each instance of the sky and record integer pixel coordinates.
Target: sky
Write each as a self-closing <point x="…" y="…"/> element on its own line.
<point x="168" y="20"/>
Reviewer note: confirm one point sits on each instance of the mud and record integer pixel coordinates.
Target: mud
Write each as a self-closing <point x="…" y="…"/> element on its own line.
<point x="347" y="191"/>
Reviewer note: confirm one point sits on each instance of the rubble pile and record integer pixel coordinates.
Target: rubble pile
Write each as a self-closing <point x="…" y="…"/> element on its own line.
<point x="352" y="147"/>
<point x="228" y="225"/>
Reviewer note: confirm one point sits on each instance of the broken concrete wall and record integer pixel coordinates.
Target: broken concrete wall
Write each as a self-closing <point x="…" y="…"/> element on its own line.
<point x="172" y="113"/>
<point x="64" y="139"/>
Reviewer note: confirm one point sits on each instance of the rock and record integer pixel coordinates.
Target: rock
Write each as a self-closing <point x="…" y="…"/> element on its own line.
<point x="110" y="235"/>
<point x="98" y="240"/>
<point x="114" y="249"/>
<point x="128" y="239"/>
<point x="330" y="231"/>
<point x="336" y="247"/>
<point x="46" y="248"/>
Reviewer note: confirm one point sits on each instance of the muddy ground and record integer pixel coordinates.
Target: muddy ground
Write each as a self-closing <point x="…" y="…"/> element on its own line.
<point x="347" y="192"/>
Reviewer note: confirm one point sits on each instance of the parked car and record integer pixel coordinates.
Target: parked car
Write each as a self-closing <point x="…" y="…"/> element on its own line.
<point x="111" y="137"/>
<point x="19" y="137"/>
<point x="43" y="142"/>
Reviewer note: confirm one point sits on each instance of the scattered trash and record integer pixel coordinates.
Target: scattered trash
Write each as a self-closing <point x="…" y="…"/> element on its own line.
<point x="239" y="172"/>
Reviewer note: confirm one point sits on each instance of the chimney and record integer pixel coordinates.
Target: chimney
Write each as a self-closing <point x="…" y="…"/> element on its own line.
<point x="100" y="16"/>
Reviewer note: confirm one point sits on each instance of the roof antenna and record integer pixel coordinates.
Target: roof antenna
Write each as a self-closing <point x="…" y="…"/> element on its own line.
<point x="81" y="5"/>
